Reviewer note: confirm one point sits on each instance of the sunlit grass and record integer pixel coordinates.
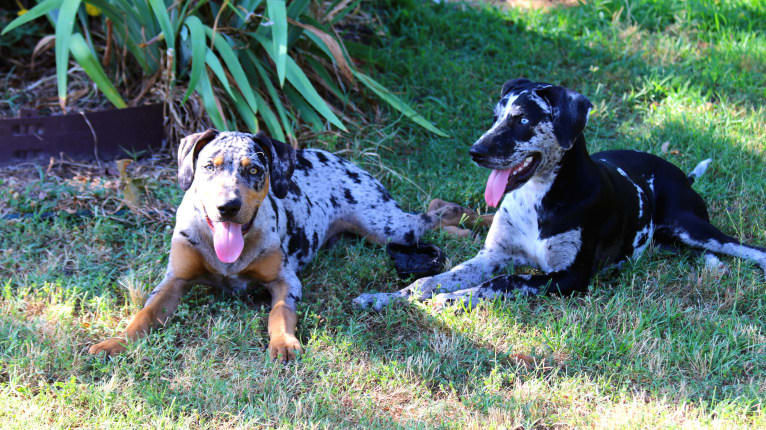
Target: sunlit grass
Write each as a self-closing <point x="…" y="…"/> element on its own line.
<point x="663" y="343"/>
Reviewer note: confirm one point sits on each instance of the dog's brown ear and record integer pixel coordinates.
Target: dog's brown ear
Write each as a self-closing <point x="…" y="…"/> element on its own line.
<point x="281" y="162"/>
<point x="569" y="110"/>
<point x="514" y="84"/>
<point x="187" y="155"/>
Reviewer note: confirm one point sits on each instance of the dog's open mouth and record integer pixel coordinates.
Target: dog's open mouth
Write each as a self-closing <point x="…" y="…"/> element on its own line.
<point x="228" y="238"/>
<point x="502" y="181"/>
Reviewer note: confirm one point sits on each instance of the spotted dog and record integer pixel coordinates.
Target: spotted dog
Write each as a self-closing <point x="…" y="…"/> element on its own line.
<point x="255" y="211"/>
<point x="564" y="211"/>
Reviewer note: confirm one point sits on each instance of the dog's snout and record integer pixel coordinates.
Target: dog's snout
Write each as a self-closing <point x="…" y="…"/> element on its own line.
<point x="478" y="151"/>
<point x="230" y="207"/>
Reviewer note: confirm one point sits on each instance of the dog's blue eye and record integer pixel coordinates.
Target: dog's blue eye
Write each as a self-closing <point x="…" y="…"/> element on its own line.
<point x="524" y="121"/>
<point x="209" y="167"/>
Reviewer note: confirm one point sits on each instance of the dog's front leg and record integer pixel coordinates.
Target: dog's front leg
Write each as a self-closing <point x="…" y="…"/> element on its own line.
<point x="509" y="286"/>
<point x="184" y="265"/>
<point x="472" y="272"/>
<point x="285" y="291"/>
<point x="156" y="312"/>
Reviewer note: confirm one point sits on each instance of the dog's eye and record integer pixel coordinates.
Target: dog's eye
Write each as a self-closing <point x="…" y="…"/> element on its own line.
<point x="524" y="121"/>
<point x="209" y="167"/>
<point x="254" y="171"/>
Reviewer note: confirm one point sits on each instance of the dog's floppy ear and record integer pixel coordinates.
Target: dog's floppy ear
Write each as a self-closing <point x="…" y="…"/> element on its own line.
<point x="281" y="162"/>
<point x="569" y="110"/>
<point x="514" y="84"/>
<point x="187" y="155"/>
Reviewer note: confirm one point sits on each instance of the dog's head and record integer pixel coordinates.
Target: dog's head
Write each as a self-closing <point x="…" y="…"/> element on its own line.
<point x="534" y="125"/>
<point x="231" y="174"/>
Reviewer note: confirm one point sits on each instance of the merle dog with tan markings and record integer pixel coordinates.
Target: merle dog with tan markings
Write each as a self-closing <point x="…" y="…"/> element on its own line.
<point x="564" y="211"/>
<point x="255" y="211"/>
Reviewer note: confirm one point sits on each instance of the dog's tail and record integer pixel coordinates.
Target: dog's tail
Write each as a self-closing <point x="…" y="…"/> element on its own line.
<point x="699" y="170"/>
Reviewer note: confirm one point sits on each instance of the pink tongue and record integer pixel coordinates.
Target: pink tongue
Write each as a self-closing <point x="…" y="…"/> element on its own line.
<point x="496" y="184"/>
<point x="228" y="241"/>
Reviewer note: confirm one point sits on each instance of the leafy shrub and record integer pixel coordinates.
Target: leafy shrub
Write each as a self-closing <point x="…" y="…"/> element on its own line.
<point x="267" y="57"/>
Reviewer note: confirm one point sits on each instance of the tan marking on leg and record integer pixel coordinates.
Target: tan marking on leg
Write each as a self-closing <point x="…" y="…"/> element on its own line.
<point x="266" y="267"/>
<point x="283" y="344"/>
<point x="162" y="306"/>
<point x="186" y="264"/>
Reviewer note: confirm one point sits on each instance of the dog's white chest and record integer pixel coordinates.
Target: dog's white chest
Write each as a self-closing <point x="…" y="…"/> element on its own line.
<point x="516" y="232"/>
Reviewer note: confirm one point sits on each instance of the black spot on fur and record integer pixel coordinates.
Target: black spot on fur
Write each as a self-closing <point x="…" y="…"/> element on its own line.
<point x="387" y="230"/>
<point x="301" y="163"/>
<point x="348" y="196"/>
<point x="274" y="209"/>
<point x="322" y="158"/>
<point x="188" y="238"/>
<point x="298" y="244"/>
<point x="384" y="195"/>
<point x="354" y="176"/>
<point x="315" y="242"/>
<point x="426" y="218"/>
<point x="293" y="188"/>
<point x="334" y="202"/>
<point x="294" y="298"/>
<point x="410" y="237"/>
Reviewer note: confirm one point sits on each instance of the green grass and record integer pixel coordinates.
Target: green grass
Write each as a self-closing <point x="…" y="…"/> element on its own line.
<point x="663" y="343"/>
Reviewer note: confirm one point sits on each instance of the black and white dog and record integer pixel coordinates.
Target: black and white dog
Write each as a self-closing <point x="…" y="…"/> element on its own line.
<point x="564" y="211"/>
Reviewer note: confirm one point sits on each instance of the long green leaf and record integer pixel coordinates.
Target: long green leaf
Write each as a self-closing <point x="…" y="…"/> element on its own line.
<point x="235" y="68"/>
<point x="217" y="68"/>
<point x="304" y="110"/>
<point x="161" y="13"/>
<point x="397" y="103"/>
<point x="64" y="25"/>
<point x="245" y="113"/>
<point x="208" y="99"/>
<point x="270" y="119"/>
<point x="197" y="33"/>
<point x="278" y="17"/>
<point x="298" y="79"/>
<point x="32" y="14"/>
<point x="274" y="97"/>
<point x="84" y="56"/>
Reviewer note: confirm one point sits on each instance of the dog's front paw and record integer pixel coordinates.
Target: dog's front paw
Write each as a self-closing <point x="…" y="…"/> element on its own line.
<point x="284" y="347"/>
<point x="469" y="299"/>
<point x="112" y="347"/>
<point x="375" y="301"/>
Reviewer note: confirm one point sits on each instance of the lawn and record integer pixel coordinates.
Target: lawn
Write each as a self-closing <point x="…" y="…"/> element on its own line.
<point x="663" y="343"/>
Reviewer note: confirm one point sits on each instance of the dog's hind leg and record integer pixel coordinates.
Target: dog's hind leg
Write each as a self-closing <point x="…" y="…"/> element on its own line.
<point x="694" y="231"/>
<point x="389" y="223"/>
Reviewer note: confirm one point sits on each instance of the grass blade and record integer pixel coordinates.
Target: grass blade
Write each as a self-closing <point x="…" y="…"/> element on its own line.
<point x="64" y="26"/>
<point x="84" y="56"/>
<point x="32" y="14"/>
<point x="197" y="32"/>
<point x="397" y="103"/>
<point x="278" y="17"/>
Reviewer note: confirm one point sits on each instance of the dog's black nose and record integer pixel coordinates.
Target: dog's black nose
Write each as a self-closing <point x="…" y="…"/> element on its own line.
<point x="230" y="208"/>
<point x="478" y="151"/>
